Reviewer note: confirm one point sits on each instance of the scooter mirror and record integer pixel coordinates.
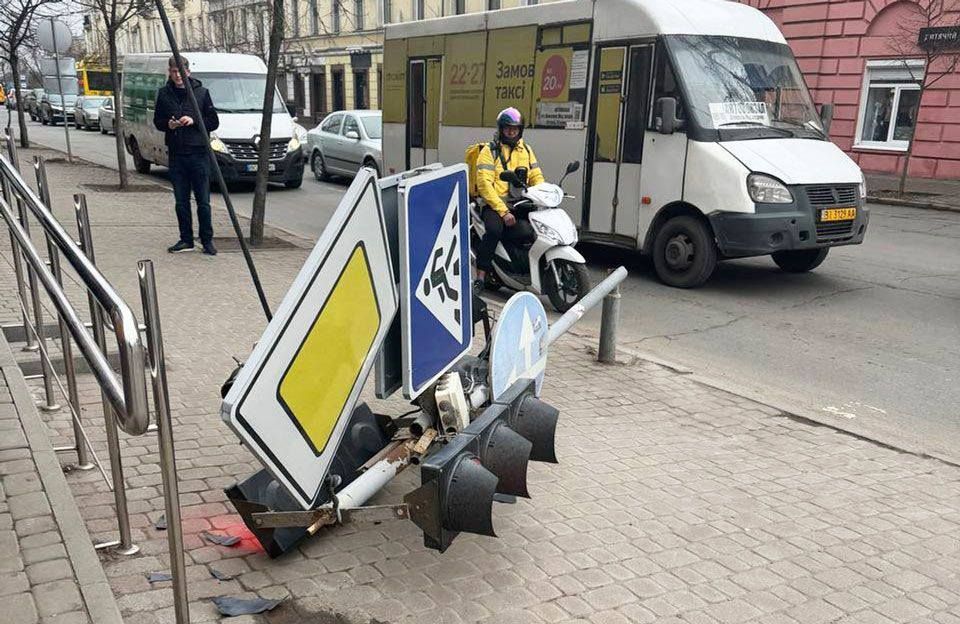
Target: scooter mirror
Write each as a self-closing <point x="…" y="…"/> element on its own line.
<point x="573" y="166"/>
<point x="511" y="177"/>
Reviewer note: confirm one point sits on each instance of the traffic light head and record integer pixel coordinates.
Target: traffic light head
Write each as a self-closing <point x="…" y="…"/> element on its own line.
<point x="532" y="418"/>
<point x="488" y="456"/>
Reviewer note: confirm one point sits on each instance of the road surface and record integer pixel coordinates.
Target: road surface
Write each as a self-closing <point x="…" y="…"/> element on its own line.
<point x="870" y="341"/>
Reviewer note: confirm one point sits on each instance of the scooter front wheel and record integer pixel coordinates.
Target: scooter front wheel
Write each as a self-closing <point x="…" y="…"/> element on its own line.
<point x="574" y="284"/>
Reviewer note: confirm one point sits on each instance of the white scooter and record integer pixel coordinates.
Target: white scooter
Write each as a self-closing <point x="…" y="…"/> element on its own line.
<point x="550" y="265"/>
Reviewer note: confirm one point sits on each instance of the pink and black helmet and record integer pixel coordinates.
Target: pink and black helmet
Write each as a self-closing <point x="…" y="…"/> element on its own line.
<point x="509" y="117"/>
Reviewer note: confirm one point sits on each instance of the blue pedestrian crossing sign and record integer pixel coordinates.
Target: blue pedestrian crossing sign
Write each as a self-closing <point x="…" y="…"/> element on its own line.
<point x="518" y="347"/>
<point x="435" y="298"/>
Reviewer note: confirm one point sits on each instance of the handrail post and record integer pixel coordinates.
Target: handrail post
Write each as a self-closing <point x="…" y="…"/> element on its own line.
<point x="168" y="460"/>
<point x="50" y="405"/>
<point x="125" y="544"/>
<point x="66" y="348"/>
<point x="8" y="195"/>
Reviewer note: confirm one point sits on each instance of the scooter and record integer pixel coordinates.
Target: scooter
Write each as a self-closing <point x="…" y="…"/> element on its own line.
<point x="550" y="265"/>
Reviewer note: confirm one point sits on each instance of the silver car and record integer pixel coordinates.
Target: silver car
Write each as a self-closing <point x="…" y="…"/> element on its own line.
<point x="345" y="141"/>
<point x="107" y="115"/>
<point x="87" y="115"/>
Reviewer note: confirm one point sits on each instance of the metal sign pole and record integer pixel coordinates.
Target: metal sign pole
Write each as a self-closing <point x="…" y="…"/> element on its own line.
<point x="31" y="344"/>
<point x="63" y="98"/>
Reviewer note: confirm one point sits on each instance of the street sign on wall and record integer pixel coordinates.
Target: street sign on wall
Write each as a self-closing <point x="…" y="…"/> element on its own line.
<point x="518" y="347"/>
<point x="294" y="396"/>
<point x="435" y="297"/>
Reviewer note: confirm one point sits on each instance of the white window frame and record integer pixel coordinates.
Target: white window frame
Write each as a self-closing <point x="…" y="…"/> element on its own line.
<point x="915" y="67"/>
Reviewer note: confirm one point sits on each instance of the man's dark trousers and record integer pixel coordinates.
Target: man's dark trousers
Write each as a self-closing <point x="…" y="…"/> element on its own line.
<point x="190" y="171"/>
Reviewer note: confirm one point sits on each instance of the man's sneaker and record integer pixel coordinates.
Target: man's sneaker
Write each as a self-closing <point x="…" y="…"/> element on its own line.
<point x="478" y="286"/>
<point x="180" y="247"/>
<point x="209" y="249"/>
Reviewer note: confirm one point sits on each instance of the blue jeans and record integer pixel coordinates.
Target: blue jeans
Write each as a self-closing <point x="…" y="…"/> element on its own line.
<point x="191" y="172"/>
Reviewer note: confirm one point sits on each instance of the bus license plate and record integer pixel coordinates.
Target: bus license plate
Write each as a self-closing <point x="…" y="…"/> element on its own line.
<point x="838" y="214"/>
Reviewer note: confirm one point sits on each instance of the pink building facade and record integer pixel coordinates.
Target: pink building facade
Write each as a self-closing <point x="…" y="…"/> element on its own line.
<point x="858" y="55"/>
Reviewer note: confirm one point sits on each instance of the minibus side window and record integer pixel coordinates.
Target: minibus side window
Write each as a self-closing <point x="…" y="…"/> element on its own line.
<point x="665" y="85"/>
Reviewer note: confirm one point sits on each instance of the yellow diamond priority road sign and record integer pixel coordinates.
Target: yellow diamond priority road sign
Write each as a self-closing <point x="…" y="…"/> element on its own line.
<point x="294" y="396"/>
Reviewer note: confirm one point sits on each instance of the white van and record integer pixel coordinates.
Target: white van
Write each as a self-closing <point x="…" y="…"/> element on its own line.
<point x="236" y="83"/>
<point x="699" y="138"/>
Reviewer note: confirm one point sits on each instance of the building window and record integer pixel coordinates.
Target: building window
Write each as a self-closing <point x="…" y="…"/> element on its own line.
<point x="358" y="14"/>
<point x="889" y="104"/>
<point x="295" y="6"/>
<point x="361" y="94"/>
<point x="419" y="9"/>
<point x="314" y="18"/>
<point x="335" y="16"/>
<point x="493" y="5"/>
<point x="387" y="11"/>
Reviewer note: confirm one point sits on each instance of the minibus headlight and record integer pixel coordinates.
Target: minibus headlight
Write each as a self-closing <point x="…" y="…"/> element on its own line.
<point x="764" y="189"/>
<point x="293" y="145"/>
<point x="217" y="145"/>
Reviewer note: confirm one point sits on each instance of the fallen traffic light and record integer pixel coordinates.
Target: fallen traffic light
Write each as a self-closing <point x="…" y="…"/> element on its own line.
<point x="489" y="456"/>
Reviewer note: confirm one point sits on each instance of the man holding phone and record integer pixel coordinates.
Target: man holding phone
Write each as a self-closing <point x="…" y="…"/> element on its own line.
<point x="187" y="152"/>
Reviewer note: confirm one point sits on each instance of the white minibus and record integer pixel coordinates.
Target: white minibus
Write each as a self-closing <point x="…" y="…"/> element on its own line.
<point x="236" y="83"/>
<point x="698" y="136"/>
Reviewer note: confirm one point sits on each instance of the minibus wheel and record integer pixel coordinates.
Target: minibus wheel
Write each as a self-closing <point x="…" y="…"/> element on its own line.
<point x="800" y="260"/>
<point x="684" y="254"/>
<point x="141" y="164"/>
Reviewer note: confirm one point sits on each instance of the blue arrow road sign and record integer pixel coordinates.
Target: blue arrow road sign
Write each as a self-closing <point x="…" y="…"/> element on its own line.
<point x="435" y="297"/>
<point x="518" y="348"/>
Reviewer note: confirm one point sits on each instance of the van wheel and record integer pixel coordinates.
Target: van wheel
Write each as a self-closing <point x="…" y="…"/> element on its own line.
<point x="574" y="284"/>
<point x="43" y="119"/>
<point x="141" y="164"/>
<point x="801" y="260"/>
<point x="294" y="184"/>
<point x="318" y="167"/>
<point x="684" y="254"/>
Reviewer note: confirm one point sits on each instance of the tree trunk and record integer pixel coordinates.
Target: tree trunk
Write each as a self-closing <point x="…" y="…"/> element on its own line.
<point x="269" y="97"/>
<point x="21" y="120"/>
<point x="906" y="159"/>
<point x="118" y="110"/>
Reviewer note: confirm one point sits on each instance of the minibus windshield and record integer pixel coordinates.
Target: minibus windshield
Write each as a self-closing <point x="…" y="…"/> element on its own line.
<point x="731" y="82"/>
<point x="238" y="93"/>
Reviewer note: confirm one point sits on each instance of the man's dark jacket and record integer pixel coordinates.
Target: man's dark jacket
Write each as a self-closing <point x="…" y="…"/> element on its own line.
<point x="173" y="103"/>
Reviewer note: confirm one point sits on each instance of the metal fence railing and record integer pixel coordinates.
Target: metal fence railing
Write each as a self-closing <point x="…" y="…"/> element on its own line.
<point x="124" y="394"/>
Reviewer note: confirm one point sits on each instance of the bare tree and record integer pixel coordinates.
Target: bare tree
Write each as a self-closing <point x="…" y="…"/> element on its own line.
<point x="269" y="97"/>
<point x="925" y="34"/>
<point x="114" y="14"/>
<point x="17" y="29"/>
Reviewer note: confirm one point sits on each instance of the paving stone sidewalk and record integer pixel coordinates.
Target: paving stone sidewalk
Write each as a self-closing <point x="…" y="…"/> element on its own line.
<point x="673" y="501"/>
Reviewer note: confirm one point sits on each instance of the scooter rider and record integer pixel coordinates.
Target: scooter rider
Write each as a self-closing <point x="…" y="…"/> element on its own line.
<point x="509" y="153"/>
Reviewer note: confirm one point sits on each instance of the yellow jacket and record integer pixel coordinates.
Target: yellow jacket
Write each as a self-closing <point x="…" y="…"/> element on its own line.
<point x="489" y="167"/>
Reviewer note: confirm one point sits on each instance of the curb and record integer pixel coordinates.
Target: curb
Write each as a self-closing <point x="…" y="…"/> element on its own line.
<point x="909" y="203"/>
<point x="98" y="598"/>
<point x="788" y="410"/>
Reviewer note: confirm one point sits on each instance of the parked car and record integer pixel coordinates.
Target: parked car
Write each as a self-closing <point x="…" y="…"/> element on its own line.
<point x="345" y="141"/>
<point x="87" y="112"/>
<point x="107" y="116"/>
<point x="32" y="103"/>
<point x="52" y="108"/>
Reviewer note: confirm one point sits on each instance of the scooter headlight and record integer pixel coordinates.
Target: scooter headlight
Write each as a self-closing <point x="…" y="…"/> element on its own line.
<point x="547" y="232"/>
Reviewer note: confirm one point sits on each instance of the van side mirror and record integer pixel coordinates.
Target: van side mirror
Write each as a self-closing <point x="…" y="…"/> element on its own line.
<point x="667" y="122"/>
<point x="826" y="116"/>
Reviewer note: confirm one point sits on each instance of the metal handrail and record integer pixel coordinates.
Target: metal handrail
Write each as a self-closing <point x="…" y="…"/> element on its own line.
<point x="127" y="395"/>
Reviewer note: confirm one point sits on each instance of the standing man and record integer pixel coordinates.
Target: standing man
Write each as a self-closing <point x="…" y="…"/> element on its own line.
<point x="187" y="153"/>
